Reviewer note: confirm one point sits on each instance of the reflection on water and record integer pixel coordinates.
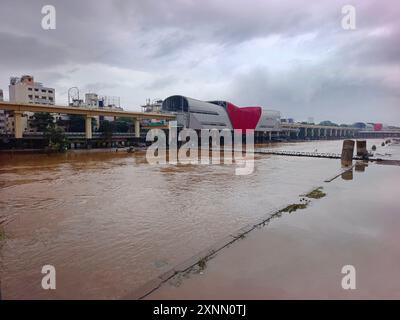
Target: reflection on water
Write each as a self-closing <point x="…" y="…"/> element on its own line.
<point x="109" y="222"/>
<point x="360" y="166"/>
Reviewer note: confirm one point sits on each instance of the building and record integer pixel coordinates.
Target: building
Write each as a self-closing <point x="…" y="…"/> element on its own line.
<point x="196" y="114"/>
<point x="91" y="100"/>
<point x="26" y="90"/>
<point x="152" y="107"/>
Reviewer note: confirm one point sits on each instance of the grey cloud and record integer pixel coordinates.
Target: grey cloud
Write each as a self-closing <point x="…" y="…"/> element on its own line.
<point x="30" y="52"/>
<point x="324" y="93"/>
<point x="171" y="37"/>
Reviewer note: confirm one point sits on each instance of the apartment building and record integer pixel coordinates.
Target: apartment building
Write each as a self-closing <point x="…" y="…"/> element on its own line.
<point x="26" y="90"/>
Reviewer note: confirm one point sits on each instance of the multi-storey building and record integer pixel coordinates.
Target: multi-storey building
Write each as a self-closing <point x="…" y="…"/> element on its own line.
<point x="26" y="90"/>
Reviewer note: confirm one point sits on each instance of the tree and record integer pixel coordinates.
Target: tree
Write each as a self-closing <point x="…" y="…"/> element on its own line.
<point x="42" y="121"/>
<point x="57" y="140"/>
<point x="360" y="125"/>
<point x="107" y="128"/>
<point x="77" y="123"/>
<point x="122" y="126"/>
<point x="328" y="123"/>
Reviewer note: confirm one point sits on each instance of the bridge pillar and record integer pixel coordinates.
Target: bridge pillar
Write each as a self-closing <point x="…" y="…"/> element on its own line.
<point x="347" y="152"/>
<point x="18" y="124"/>
<point x="88" y="127"/>
<point x="137" y="128"/>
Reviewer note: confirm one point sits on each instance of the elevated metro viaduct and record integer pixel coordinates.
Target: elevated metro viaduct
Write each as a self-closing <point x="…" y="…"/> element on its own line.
<point x="312" y="131"/>
<point x="88" y="113"/>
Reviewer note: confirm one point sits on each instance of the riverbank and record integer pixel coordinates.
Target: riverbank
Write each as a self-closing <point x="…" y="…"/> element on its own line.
<point x="300" y="255"/>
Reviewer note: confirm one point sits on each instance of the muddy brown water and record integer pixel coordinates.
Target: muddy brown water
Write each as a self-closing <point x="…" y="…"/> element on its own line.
<point x="109" y="222"/>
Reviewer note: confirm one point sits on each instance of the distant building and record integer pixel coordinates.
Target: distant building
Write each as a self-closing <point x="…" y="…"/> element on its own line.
<point x="288" y="120"/>
<point x="152" y="107"/>
<point x="93" y="100"/>
<point x="197" y="115"/>
<point x="26" y="90"/>
<point x="110" y="103"/>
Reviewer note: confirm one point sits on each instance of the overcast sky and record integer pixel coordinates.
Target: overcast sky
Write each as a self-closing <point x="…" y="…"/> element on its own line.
<point x="293" y="56"/>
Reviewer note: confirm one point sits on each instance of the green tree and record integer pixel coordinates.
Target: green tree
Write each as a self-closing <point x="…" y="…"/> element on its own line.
<point x="328" y="123"/>
<point x="107" y="128"/>
<point x="122" y="126"/>
<point x="57" y="140"/>
<point x="42" y="121"/>
<point x="77" y="123"/>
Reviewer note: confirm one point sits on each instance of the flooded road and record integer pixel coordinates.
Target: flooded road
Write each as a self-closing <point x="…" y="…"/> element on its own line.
<point x="109" y="222"/>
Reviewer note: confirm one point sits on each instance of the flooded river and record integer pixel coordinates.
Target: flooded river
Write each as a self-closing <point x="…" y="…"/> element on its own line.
<point x="109" y="222"/>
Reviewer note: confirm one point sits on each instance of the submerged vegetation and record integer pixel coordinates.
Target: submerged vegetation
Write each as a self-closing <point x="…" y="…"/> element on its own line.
<point x="2" y="234"/>
<point x="293" y="207"/>
<point x="316" y="193"/>
<point x="202" y="263"/>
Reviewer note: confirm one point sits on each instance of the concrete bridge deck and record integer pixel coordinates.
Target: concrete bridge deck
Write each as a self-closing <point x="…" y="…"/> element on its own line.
<point x="89" y="113"/>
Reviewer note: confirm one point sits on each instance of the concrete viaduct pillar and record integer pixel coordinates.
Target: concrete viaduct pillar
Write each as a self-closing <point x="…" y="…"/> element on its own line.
<point x="137" y="128"/>
<point x="88" y="127"/>
<point x="18" y="124"/>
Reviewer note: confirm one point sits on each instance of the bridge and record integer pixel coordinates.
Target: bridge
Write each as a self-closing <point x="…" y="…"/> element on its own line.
<point x="393" y="133"/>
<point x="304" y="130"/>
<point x="88" y="113"/>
